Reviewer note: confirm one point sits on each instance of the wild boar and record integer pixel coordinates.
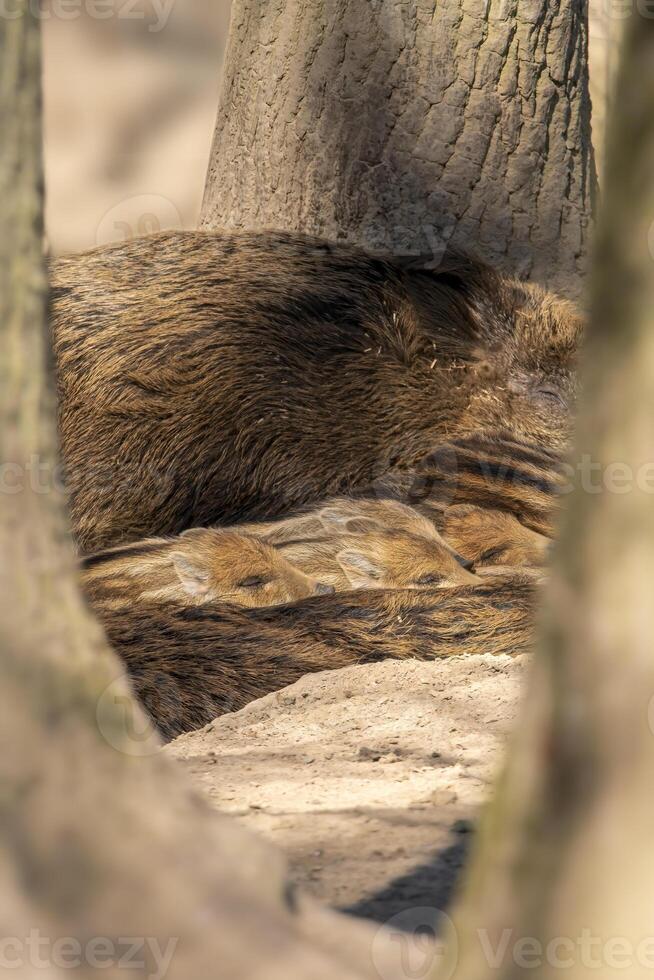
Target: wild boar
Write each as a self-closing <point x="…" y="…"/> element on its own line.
<point x="199" y="566"/>
<point x="364" y="555"/>
<point x="518" y="484"/>
<point x="496" y="471"/>
<point x="366" y="544"/>
<point x="343" y="513"/>
<point x="494" y="537"/>
<point x="189" y="664"/>
<point x="209" y="379"/>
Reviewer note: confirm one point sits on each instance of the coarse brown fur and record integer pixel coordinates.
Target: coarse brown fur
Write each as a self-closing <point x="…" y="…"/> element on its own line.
<point x="188" y="665"/>
<point x="207" y="379"/>
<point x="512" y="489"/>
<point x="375" y="558"/>
<point x="199" y="566"/>
<point x="497" y="471"/>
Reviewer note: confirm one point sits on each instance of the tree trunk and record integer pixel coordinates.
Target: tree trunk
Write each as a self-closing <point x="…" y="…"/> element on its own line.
<point x="565" y="855"/>
<point x="403" y="127"/>
<point x="100" y="836"/>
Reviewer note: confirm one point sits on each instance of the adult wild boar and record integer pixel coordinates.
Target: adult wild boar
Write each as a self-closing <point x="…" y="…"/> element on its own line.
<point x="188" y="665"/>
<point x="211" y="378"/>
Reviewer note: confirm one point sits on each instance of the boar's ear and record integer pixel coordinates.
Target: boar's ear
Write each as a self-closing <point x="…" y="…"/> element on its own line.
<point x="197" y="533"/>
<point x="193" y="577"/>
<point x="455" y="298"/>
<point x="361" y="570"/>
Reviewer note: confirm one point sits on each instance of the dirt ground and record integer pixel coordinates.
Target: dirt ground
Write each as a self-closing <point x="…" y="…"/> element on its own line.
<point x="369" y="779"/>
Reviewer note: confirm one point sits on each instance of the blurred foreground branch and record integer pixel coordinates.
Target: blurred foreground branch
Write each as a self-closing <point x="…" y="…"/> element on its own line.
<point x="564" y="870"/>
<point x="100" y="836"/>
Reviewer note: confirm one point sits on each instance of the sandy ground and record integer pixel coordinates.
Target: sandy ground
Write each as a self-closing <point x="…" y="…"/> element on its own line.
<point x="369" y="779"/>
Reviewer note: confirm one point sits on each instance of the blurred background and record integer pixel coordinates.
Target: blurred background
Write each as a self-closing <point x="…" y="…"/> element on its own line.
<point x="130" y="103"/>
<point x="130" y="106"/>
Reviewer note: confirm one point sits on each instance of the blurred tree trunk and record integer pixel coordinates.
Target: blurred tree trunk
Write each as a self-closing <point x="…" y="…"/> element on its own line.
<point x="405" y="126"/>
<point x="100" y="836"/>
<point x="605" y="31"/>
<point x="566" y="852"/>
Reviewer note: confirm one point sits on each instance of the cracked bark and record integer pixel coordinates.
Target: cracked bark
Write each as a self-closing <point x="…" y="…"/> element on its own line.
<point x="403" y="126"/>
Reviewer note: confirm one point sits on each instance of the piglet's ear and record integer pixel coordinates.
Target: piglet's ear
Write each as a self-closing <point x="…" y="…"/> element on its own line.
<point x="195" y="532"/>
<point x="361" y="525"/>
<point x="362" y="572"/>
<point x="334" y="519"/>
<point x="193" y="577"/>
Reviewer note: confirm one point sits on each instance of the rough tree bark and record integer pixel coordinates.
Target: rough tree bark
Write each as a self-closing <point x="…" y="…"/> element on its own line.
<point x="405" y="126"/>
<point x="100" y="836"/>
<point x="565" y="855"/>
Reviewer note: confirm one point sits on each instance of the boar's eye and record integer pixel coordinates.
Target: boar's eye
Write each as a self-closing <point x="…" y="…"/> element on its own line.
<point x="433" y="578"/>
<point x="254" y="582"/>
<point x="551" y="395"/>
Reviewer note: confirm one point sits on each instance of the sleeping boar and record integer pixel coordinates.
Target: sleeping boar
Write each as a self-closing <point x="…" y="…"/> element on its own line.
<point x="341" y="513"/>
<point x="200" y="566"/>
<point x="214" y="378"/>
<point x="189" y="664"/>
<point x="360" y="553"/>
<point x="494" y="537"/>
<point x="366" y="544"/>
<point x="497" y="471"/>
